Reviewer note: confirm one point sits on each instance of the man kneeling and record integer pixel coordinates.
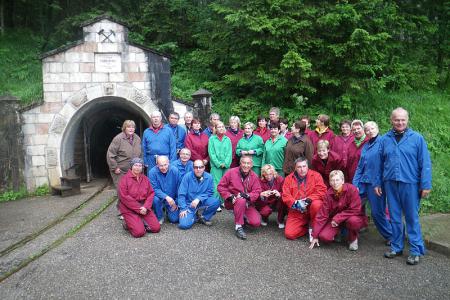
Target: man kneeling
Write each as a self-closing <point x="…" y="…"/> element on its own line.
<point x="196" y="194"/>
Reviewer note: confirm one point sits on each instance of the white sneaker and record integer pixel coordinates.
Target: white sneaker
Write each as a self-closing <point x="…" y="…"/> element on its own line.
<point x="353" y="245"/>
<point x="281" y="226"/>
<point x="219" y="209"/>
<point x="263" y="223"/>
<point x="310" y="235"/>
<point x="161" y="221"/>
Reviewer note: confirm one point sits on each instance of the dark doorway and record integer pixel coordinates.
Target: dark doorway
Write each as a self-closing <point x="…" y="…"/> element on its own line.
<point x="98" y="126"/>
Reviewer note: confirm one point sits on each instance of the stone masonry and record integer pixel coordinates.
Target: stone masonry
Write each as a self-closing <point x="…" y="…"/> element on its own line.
<point x="102" y="64"/>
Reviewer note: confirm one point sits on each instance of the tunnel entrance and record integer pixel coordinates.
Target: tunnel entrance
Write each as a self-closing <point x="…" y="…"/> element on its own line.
<point x="84" y="148"/>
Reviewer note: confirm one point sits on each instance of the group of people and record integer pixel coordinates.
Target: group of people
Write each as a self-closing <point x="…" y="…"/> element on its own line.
<point x="318" y="183"/>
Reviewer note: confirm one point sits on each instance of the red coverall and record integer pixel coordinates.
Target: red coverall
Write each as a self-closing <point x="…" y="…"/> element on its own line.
<point x="354" y="154"/>
<point x="234" y="138"/>
<point x="314" y="189"/>
<point x="315" y="137"/>
<point x="334" y="162"/>
<point x="231" y="184"/>
<point x="135" y="193"/>
<point x="266" y="206"/>
<point x="345" y="210"/>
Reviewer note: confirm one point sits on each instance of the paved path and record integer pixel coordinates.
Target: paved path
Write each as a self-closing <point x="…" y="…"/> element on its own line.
<point x="103" y="261"/>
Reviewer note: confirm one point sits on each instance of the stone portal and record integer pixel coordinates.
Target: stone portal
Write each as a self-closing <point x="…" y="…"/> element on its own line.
<point x="90" y="88"/>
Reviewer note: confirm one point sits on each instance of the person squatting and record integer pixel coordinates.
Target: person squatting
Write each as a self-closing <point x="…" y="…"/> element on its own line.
<point x="318" y="182"/>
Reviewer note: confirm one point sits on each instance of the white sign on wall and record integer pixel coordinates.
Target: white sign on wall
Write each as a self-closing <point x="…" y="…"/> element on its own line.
<point x="108" y="62"/>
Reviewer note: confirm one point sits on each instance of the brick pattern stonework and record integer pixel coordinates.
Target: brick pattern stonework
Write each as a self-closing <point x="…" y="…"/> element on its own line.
<point x="73" y="78"/>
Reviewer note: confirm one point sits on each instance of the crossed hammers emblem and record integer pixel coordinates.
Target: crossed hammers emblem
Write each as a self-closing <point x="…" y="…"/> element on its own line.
<point x="107" y="36"/>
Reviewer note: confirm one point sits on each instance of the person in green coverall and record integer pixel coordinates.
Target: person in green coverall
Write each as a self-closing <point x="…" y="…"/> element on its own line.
<point x="253" y="145"/>
<point x="274" y="149"/>
<point x="220" y="155"/>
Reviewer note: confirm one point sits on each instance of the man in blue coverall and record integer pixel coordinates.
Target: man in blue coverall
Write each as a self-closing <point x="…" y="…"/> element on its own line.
<point x="196" y="193"/>
<point x="157" y="140"/>
<point x="165" y="180"/>
<point x="405" y="171"/>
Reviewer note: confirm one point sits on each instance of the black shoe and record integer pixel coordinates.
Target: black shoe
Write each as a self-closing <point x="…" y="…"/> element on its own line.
<point x="203" y="221"/>
<point x="392" y="254"/>
<point x="241" y="234"/>
<point x="413" y="260"/>
<point x="124" y="225"/>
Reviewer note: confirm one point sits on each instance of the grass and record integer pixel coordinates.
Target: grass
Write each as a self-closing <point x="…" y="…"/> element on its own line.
<point x="21" y="69"/>
<point x="11" y="195"/>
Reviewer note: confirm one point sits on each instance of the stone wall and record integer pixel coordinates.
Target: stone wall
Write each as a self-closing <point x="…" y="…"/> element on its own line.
<point x="103" y="64"/>
<point x="11" y="156"/>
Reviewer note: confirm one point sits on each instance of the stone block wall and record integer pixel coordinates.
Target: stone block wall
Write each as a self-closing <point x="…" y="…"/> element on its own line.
<point x="103" y="64"/>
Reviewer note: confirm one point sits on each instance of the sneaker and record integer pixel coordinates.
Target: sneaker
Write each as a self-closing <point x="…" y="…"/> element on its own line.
<point x="120" y="217"/>
<point x="412" y="260"/>
<point x="353" y="245"/>
<point x="203" y="221"/>
<point x="281" y="226"/>
<point x="263" y="223"/>
<point x="161" y="221"/>
<point x="392" y="254"/>
<point x="219" y="209"/>
<point x="241" y="234"/>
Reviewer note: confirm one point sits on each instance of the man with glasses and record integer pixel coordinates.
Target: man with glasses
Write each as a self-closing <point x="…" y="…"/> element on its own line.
<point x="240" y="188"/>
<point x="165" y="180"/>
<point x="196" y="194"/>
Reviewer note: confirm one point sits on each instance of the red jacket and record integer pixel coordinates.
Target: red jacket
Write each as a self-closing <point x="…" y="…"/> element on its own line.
<point x="334" y="162"/>
<point x="340" y="146"/>
<point x="339" y="209"/>
<point x="276" y="185"/>
<point x="234" y="140"/>
<point x="232" y="184"/>
<point x="315" y="137"/>
<point x="135" y="193"/>
<point x="198" y="144"/>
<point x="265" y="133"/>
<point x="313" y="188"/>
<point x="354" y="154"/>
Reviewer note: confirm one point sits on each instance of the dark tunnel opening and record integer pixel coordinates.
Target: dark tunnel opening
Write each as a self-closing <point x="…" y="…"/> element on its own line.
<point x="99" y="125"/>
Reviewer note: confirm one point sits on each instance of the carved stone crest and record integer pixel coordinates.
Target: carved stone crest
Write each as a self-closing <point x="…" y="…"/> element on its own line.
<point x="51" y="157"/>
<point x="138" y="97"/>
<point x="78" y="99"/>
<point x="58" y="124"/>
<point x="108" y="89"/>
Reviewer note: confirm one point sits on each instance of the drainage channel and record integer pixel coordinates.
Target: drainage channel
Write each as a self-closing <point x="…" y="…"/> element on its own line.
<point x="32" y="247"/>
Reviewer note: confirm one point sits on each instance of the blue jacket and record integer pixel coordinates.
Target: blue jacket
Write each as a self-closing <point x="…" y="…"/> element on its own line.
<point x="407" y="161"/>
<point x="191" y="188"/>
<point x="179" y="133"/>
<point x="184" y="169"/>
<point x="158" y="143"/>
<point x="366" y="172"/>
<point x="164" y="184"/>
<point x="208" y="131"/>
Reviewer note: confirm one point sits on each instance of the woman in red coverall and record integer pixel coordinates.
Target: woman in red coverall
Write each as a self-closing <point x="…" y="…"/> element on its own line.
<point x="270" y="197"/>
<point x="326" y="160"/>
<point x="135" y="201"/>
<point x="340" y="209"/>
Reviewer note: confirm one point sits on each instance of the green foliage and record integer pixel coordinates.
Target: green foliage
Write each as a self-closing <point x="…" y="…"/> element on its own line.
<point x="11" y="195"/>
<point x="21" y="70"/>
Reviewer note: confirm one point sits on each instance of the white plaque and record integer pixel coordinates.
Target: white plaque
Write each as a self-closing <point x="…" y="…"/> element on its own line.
<point x="108" y="63"/>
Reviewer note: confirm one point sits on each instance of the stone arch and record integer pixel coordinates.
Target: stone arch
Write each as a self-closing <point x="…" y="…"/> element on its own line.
<point x="87" y="103"/>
